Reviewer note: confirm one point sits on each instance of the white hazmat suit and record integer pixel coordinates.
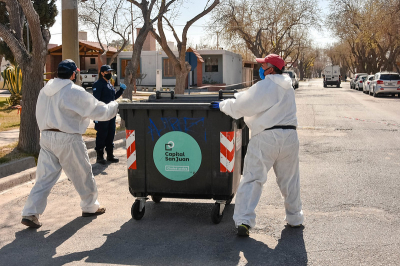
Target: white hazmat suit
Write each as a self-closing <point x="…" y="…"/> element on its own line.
<point x="269" y="102"/>
<point x="66" y="107"/>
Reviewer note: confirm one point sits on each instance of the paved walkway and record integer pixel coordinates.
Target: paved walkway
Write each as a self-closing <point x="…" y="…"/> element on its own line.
<point x="11" y="136"/>
<point x="8" y="137"/>
<point x="4" y="93"/>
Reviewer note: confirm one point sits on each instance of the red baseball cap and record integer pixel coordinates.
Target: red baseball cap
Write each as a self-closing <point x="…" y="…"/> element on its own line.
<point x="273" y="59"/>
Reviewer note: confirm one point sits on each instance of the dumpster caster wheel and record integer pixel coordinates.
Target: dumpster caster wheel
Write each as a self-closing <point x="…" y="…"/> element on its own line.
<point x="216" y="217"/>
<point x="135" y="211"/>
<point x="156" y="199"/>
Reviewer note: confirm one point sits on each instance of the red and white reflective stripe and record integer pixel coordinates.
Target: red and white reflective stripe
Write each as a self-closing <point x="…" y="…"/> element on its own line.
<point x="227" y="151"/>
<point x="131" y="149"/>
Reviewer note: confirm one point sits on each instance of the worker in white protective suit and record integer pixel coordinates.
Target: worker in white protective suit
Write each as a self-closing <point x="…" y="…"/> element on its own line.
<point x="63" y="113"/>
<point x="269" y="110"/>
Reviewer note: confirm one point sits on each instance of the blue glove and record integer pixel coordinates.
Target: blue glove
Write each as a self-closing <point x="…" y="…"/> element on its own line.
<point x="214" y="105"/>
<point x="122" y="86"/>
<point x="261" y="72"/>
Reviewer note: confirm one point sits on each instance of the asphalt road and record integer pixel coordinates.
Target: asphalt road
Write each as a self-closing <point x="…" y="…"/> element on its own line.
<point x="350" y="170"/>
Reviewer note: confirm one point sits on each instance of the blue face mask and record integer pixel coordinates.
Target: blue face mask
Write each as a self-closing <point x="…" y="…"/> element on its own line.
<point x="261" y="72"/>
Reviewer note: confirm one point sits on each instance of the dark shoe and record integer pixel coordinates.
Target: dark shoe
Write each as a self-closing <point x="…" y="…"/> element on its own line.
<point x="100" y="157"/>
<point x="31" y="221"/>
<point x="99" y="211"/>
<point x="111" y="158"/>
<point x="243" y="230"/>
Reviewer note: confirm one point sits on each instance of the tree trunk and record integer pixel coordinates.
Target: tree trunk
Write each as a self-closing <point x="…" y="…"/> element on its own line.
<point x="29" y="135"/>
<point x="103" y="58"/>
<point x="301" y="70"/>
<point x="132" y="67"/>
<point x="181" y="78"/>
<point x="114" y="56"/>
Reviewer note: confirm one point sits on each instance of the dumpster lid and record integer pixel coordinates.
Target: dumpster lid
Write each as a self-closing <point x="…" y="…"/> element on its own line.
<point x="166" y="106"/>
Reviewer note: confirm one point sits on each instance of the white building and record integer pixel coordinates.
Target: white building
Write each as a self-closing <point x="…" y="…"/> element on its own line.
<point x="214" y="67"/>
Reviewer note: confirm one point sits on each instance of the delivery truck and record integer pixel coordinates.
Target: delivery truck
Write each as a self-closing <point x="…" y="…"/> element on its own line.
<point x="331" y="75"/>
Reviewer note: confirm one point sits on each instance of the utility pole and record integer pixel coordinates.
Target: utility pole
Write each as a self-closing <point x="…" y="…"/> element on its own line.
<point x="70" y="42"/>
<point x="27" y="36"/>
<point x="132" y="25"/>
<point x="217" y="40"/>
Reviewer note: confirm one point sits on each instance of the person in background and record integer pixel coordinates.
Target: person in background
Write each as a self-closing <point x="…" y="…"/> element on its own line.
<point x="269" y="110"/>
<point x="63" y="113"/>
<point x="104" y="91"/>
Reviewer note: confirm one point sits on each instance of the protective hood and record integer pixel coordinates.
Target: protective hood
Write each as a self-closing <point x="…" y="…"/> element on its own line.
<point x="55" y="85"/>
<point x="283" y="81"/>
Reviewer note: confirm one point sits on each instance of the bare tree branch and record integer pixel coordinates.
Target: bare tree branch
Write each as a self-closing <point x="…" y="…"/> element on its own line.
<point x="173" y="31"/>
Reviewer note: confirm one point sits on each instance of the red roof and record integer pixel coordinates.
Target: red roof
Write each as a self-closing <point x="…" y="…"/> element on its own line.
<point x="196" y="53"/>
<point x="91" y="45"/>
<point x="98" y="47"/>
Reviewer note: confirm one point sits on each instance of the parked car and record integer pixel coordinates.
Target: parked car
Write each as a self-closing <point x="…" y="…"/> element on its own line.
<point x="366" y="83"/>
<point x="293" y="76"/>
<point x="352" y="81"/>
<point x="360" y="82"/>
<point x="385" y="83"/>
<point x="89" y="77"/>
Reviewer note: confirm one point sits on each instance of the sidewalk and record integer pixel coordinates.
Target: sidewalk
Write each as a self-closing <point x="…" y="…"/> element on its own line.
<point x="8" y="137"/>
<point x="21" y="171"/>
<point x="4" y="93"/>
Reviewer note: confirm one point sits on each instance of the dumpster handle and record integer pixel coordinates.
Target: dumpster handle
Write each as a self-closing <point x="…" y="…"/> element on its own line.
<point x="221" y="92"/>
<point x="158" y="94"/>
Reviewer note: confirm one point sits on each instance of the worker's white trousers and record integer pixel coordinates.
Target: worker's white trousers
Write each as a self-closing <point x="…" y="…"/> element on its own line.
<point x="277" y="148"/>
<point x="62" y="151"/>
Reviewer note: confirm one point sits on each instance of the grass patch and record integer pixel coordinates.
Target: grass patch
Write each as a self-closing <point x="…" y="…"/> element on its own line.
<point x="91" y="132"/>
<point x="10" y="152"/>
<point x="9" y="119"/>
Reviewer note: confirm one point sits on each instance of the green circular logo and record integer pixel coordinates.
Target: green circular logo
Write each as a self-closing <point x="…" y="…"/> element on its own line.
<point x="177" y="156"/>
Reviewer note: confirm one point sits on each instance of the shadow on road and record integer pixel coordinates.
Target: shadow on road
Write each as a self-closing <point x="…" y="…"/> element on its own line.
<point x="171" y="233"/>
<point x="34" y="248"/>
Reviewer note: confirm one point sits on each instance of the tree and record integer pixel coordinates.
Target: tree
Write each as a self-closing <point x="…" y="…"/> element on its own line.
<point x="372" y="39"/>
<point x="31" y="62"/>
<point x="339" y="55"/>
<point x="306" y="58"/>
<point x="146" y="9"/>
<point x="265" y="26"/>
<point x="47" y="13"/>
<point x="182" y="67"/>
<point x="107" y="19"/>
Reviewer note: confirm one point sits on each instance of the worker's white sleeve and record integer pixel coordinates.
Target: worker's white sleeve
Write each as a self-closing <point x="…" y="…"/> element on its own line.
<point x="104" y="112"/>
<point x="86" y="105"/>
<point x="248" y="103"/>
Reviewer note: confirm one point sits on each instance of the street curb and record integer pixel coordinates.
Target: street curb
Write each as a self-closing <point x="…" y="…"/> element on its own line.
<point x="17" y="179"/>
<point x="30" y="174"/>
<point x="14" y="167"/>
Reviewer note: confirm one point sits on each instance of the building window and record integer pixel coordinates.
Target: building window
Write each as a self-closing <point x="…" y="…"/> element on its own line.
<point x="124" y="64"/>
<point x="92" y="61"/>
<point x="169" y="70"/>
<point x="211" y="64"/>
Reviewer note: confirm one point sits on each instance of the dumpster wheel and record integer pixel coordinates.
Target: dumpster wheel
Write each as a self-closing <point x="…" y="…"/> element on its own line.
<point x="156" y="199"/>
<point x="216" y="216"/>
<point x="135" y="211"/>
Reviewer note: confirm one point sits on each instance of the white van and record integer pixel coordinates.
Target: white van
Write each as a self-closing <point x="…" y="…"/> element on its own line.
<point x="331" y="76"/>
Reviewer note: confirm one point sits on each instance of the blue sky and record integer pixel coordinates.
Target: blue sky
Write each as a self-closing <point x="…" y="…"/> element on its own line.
<point x="198" y="31"/>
